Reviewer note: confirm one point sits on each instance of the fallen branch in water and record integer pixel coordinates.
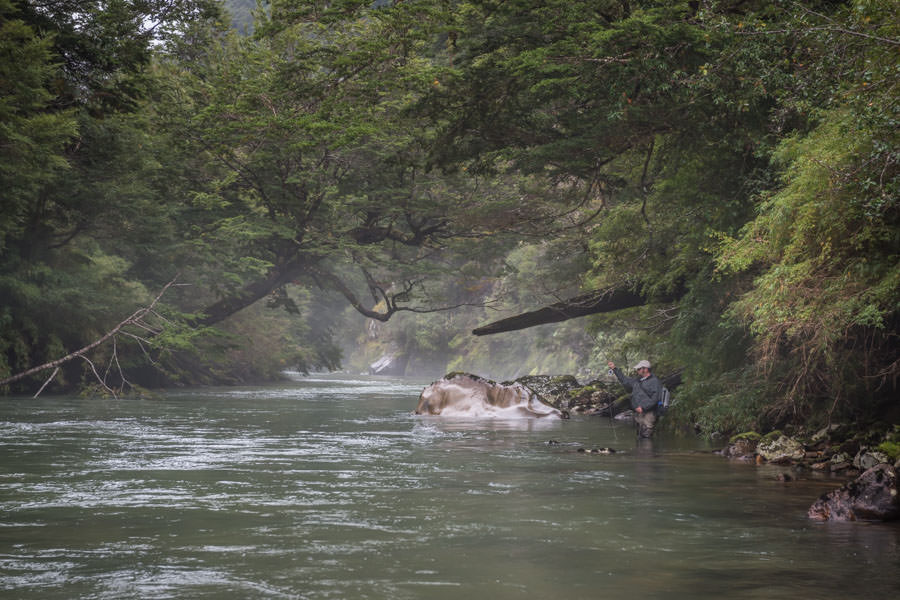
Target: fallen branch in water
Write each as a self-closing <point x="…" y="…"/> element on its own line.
<point x="134" y="319"/>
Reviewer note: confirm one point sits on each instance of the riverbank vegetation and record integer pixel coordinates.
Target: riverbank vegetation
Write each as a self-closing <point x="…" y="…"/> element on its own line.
<point x="334" y="181"/>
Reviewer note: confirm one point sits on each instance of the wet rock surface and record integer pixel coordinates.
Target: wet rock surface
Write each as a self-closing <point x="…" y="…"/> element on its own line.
<point x="566" y="393"/>
<point x="780" y="449"/>
<point x="561" y="392"/>
<point x="870" y="492"/>
<point x="742" y="446"/>
<point x="464" y="394"/>
<point x="873" y="496"/>
<point x="866" y="459"/>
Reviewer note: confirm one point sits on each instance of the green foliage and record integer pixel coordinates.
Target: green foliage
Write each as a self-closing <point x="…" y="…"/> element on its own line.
<point x="734" y="163"/>
<point x="32" y="139"/>
<point x="724" y="403"/>
<point x="82" y="213"/>
<point x="891" y="449"/>
<point x="772" y="436"/>
<point x="54" y="307"/>
<point x="833" y="265"/>
<point x="821" y="253"/>
<point x="779" y="122"/>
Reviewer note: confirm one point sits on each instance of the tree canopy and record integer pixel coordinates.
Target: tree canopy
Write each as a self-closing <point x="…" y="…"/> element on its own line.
<point x="728" y="168"/>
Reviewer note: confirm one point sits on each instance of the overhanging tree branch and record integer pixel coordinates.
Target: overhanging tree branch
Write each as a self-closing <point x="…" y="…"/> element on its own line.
<point x="598" y="301"/>
<point x="280" y="274"/>
<point x="134" y="319"/>
<point x="392" y="301"/>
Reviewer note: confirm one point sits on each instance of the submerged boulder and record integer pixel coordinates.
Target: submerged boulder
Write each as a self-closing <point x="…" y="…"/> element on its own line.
<point x="873" y="496"/>
<point x="463" y="394"/>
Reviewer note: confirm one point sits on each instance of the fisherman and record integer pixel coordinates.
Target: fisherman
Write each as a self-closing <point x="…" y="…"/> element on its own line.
<point x="646" y="390"/>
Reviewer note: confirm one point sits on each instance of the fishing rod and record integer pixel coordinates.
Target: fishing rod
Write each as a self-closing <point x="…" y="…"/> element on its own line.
<point x="610" y="409"/>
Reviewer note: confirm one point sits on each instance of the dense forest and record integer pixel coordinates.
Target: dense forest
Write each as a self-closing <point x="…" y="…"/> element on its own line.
<point x="199" y="193"/>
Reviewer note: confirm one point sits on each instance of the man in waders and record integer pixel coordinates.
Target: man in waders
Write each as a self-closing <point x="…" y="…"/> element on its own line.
<point x="645" y="394"/>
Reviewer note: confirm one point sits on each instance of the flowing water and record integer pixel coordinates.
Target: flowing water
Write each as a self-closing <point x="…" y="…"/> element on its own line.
<point x="329" y="487"/>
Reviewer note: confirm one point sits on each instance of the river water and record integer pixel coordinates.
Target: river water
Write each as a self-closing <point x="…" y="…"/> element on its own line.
<point x="328" y="487"/>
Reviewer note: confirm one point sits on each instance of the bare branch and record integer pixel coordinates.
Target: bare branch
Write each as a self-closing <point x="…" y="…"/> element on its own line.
<point x="893" y="42"/>
<point x="140" y="342"/>
<point x="135" y="318"/>
<point x="115" y="358"/>
<point x="345" y="291"/>
<point x="391" y="301"/>
<point x="97" y="375"/>
<point x="46" y="383"/>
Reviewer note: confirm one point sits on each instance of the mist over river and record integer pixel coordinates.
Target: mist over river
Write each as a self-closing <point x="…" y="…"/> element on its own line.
<point x="329" y="487"/>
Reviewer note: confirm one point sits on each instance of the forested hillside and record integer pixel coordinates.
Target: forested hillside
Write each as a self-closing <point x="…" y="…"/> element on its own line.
<point x="341" y="179"/>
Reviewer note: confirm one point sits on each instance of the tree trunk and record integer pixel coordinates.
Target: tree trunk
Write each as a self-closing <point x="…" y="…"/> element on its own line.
<point x="254" y="291"/>
<point x="579" y="306"/>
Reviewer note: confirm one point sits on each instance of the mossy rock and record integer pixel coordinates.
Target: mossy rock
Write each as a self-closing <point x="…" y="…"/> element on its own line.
<point x="551" y="388"/>
<point x="742" y="444"/>
<point x="780" y="448"/>
<point x="747" y="436"/>
<point x="582" y="391"/>
<point x="596" y="395"/>
<point x="772" y="436"/>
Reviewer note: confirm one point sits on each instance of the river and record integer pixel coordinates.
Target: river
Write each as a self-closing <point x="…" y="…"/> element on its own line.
<point x="328" y="487"/>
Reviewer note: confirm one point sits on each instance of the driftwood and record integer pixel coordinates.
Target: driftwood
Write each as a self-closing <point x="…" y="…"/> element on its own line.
<point x="135" y="319"/>
<point x="599" y="301"/>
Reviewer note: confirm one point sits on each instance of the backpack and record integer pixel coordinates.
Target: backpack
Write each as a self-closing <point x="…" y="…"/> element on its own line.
<point x="665" y="401"/>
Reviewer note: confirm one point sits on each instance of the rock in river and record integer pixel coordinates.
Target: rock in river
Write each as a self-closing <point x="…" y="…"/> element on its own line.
<point x="873" y="496"/>
<point x="462" y="394"/>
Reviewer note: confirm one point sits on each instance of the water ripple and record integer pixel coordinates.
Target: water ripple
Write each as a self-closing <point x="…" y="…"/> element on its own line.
<point x="328" y="487"/>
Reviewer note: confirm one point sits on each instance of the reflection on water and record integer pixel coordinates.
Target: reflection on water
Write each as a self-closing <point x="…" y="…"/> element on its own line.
<point x="330" y="488"/>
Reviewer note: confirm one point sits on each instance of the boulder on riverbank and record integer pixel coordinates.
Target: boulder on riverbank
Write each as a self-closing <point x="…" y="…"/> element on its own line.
<point x="827" y="451"/>
<point x="839" y="452"/>
<point x="780" y="449"/>
<point x="873" y="496"/>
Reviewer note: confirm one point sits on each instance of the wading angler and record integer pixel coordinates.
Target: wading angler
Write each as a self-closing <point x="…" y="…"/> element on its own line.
<point x="646" y="392"/>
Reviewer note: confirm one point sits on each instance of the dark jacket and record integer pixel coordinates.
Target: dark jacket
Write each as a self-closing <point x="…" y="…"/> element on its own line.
<point x="644" y="392"/>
